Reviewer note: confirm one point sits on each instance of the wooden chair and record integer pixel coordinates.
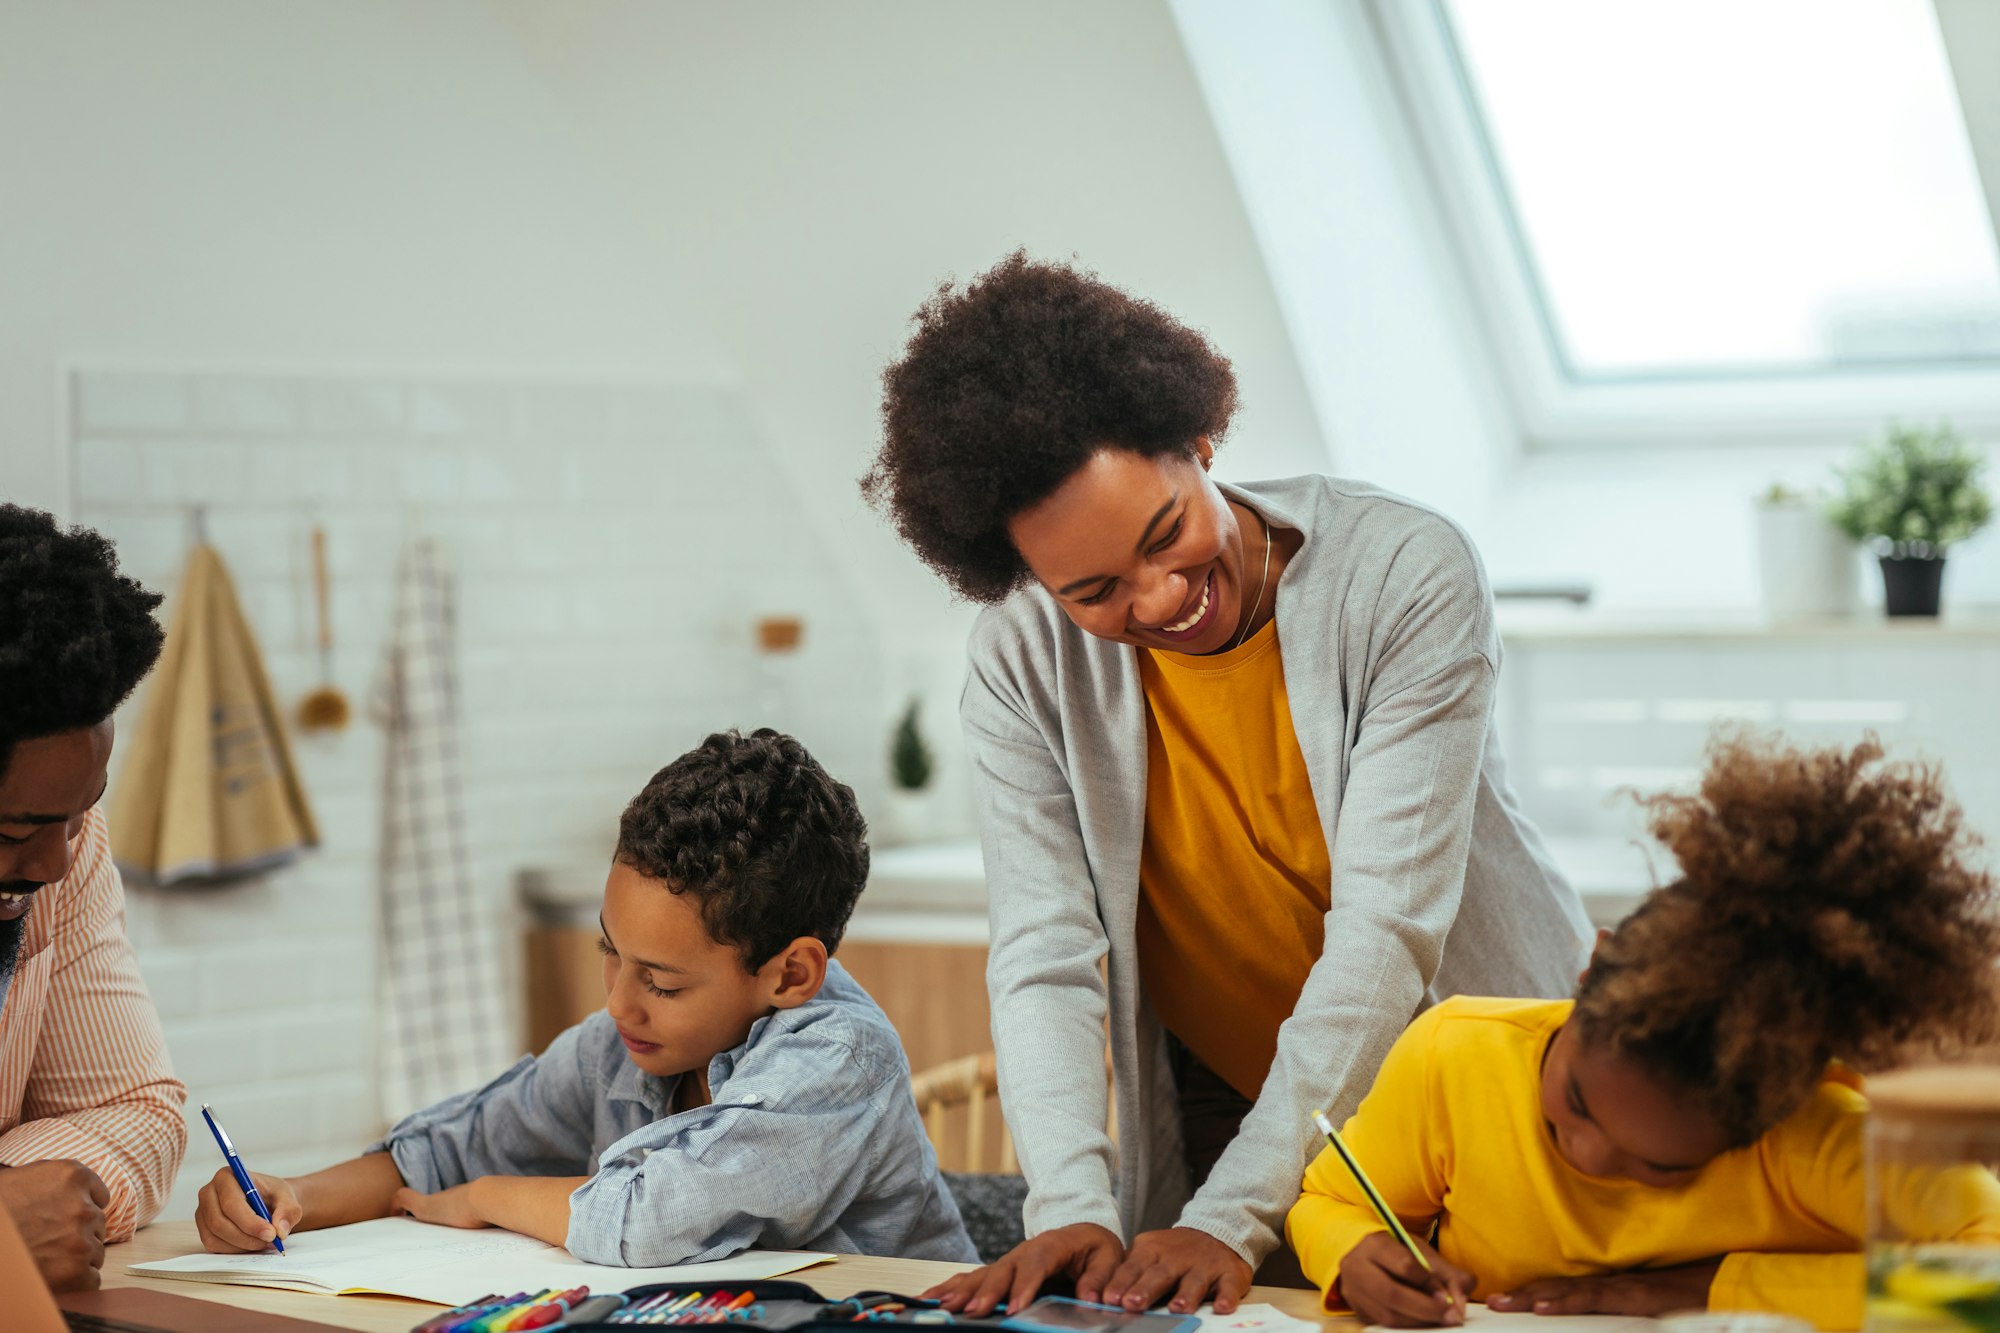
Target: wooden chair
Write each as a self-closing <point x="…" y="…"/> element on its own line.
<point x="971" y="1082"/>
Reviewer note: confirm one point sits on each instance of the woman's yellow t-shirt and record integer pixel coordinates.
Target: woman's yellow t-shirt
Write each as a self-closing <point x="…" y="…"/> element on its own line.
<point x="1234" y="875"/>
<point x="1453" y="1131"/>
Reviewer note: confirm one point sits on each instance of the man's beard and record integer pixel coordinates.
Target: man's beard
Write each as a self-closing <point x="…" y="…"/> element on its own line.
<point x="11" y="931"/>
<point x="10" y="941"/>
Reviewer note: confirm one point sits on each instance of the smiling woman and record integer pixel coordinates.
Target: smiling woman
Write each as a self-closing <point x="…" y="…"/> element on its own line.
<point x="1232" y="741"/>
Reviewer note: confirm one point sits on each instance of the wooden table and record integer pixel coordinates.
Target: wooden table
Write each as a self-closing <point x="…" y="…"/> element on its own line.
<point x="388" y="1314"/>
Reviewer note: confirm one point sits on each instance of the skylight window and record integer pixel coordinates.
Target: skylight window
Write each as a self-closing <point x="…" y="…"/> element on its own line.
<point x="1703" y="188"/>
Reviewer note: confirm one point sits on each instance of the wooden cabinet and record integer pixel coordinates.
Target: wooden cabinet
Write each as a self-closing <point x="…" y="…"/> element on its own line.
<point x="565" y="980"/>
<point x="935" y="994"/>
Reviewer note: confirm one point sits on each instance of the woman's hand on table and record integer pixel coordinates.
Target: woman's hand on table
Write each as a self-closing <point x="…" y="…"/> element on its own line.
<point x="1083" y="1252"/>
<point x="1181" y="1265"/>
<point x="228" y="1224"/>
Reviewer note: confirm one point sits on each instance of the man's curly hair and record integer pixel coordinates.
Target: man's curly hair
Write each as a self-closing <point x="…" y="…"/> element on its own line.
<point x="76" y="636"/>
<point x="767" y="843"/>
<point x="1825" y="911"/>
<point x="1008" y="387"/>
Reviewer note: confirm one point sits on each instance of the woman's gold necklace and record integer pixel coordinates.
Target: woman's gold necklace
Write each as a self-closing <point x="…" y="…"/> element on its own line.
<point x="1252" y="616"/>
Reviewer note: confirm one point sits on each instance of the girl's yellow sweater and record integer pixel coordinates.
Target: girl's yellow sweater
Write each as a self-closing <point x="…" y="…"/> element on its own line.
<point x="1453" y="1133"/>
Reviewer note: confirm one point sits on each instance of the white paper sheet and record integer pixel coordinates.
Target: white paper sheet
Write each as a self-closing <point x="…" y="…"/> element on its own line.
<point x="1252" y="1319"/>
<point x="398" y="1256"/>
<point x="1500" y="1321"/>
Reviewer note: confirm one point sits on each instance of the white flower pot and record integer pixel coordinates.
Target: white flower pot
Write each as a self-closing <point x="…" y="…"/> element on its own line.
<point x="1805" y="565"/>
<point x="908" y="816"/>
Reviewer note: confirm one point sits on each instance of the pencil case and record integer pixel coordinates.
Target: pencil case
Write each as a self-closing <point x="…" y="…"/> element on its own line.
<point x="780" y="1306"/>
<point x="772" y="1305"/>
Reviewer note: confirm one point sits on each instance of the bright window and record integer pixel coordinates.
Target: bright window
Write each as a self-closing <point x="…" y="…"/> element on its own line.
<point x="1735" y="187"/>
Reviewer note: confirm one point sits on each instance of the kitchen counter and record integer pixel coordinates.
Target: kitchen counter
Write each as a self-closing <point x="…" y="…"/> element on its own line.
<point x="1543" y="623"/>
<point x="935" y="893"/>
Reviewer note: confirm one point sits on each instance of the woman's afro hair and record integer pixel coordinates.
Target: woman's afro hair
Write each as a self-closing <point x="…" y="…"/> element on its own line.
<point x="1826" y="910"/>
<point x="1008" y="387"/>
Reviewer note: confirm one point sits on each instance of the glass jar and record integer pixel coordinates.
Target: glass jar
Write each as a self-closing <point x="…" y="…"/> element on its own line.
<point x="1934" y="1201"/>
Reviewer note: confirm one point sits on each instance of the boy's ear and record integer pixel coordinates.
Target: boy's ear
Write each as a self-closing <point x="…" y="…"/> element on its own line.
<point x="796" y="972"/>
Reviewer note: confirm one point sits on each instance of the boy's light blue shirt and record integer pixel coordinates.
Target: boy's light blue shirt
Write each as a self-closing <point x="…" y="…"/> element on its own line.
<point x="811" y="1142"/>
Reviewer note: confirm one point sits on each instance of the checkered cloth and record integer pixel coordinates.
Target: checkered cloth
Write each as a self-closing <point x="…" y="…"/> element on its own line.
<point x="441" y="1031"/>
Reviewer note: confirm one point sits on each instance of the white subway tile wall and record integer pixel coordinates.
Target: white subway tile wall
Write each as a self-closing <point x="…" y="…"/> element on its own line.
<point x="614" y="544"/>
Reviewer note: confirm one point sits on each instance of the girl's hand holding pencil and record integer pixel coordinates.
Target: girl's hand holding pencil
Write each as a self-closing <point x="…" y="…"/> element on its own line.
<point x="1384" y="1284"/>
<point x="1392" y="1278"/>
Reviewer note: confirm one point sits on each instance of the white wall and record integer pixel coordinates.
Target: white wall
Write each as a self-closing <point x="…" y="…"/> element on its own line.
<point x="820" y="168"/>
<point x="249" y="202"/>
<point x="760" y="194"/>
<point x="302" y="182"/>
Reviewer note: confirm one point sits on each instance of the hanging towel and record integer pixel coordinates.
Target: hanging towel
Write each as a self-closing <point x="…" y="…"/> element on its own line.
<point x="442" y="1031"/>
<point x="208" y="789"/>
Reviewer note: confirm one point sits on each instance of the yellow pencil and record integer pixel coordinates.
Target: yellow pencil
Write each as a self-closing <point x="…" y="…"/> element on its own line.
<point x="1375" y="1200"/>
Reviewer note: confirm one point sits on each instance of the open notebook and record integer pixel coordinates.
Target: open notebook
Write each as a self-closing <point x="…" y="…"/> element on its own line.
<point x="398" y="1256"/>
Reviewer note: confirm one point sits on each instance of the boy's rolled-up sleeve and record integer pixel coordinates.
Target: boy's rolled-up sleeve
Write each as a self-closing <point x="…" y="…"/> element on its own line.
<point x="787" y="1148"/>
<point x="533" y="1120"/>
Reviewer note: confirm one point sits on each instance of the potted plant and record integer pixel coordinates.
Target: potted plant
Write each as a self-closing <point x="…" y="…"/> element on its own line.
<point x="1911" y="497"/>
<point x="910" y="771"/>
<point x="1805" y="564"/>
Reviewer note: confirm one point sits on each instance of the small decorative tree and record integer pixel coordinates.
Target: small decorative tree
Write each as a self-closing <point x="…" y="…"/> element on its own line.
<point x="909" y="757"/>
<point x="1913" y="495"/>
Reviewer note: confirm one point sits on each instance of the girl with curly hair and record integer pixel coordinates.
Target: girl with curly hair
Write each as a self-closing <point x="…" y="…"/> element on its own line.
<point x="1687" y="1130"/>
<point x="1233" y="743"/>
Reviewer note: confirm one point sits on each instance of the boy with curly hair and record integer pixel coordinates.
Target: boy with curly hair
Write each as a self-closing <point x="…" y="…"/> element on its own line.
<point x="1687" y="1131"/>
<point x="738" y="1089"/>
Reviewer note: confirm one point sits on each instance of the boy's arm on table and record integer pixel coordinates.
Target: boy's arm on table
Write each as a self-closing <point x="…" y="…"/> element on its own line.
<point x="535" y="1206"/>
<point x="367" y="1187"/>
<point x="1393" y="1136"/>
<point x="535" y="1119"/>
<point x="352" y="1191"/>
<point x="357" y="1190"/>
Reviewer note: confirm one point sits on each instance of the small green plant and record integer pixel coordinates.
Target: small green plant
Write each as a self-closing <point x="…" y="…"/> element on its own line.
<point x="1915" y="492"/>
<point x="909" y="758"/>
<point x="1781" y="496"/>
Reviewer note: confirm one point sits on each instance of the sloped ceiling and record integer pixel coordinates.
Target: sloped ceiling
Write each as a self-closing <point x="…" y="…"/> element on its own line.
<point x="812" y="172"/>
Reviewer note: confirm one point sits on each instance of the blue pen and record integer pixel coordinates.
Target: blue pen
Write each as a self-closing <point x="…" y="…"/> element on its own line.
<point x="242" y="1176"/>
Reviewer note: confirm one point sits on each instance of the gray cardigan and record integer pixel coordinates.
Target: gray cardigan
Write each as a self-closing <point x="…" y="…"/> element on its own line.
<point x="1385" y="624"/>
